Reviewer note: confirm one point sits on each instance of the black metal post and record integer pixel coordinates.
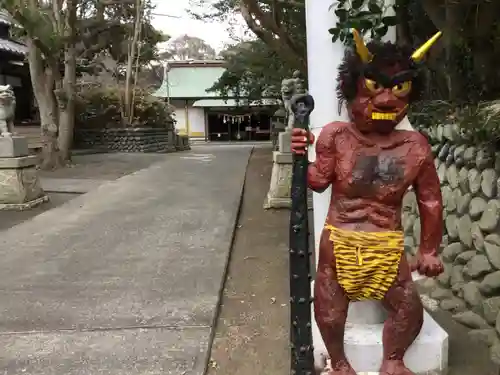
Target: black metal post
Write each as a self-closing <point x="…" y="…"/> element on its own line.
<point x="302" y="360"/>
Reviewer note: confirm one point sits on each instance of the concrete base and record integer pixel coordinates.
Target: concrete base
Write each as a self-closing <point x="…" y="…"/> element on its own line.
<point x="13" y="147"/>
<point x="284" y="141"/>
<point x="363" y="346"/>
<point x="20" y="187"/>
<point x="281" y="180"/>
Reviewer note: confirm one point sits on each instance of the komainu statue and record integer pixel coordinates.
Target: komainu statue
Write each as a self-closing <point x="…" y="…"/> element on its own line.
<point x="7" y="110"/>
<point x="289" y="88"/>
<point x="370" y="163"/>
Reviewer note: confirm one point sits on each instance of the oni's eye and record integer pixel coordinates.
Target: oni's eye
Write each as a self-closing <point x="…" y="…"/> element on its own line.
<point x="402" y="89"/>
<point x="372" y="85"/>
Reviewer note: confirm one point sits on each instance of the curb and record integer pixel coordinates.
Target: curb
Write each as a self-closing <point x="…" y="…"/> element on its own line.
<point x="232" y="234"/>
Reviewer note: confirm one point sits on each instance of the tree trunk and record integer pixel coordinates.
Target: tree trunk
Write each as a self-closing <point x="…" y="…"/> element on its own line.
<point x="130" y="61"/>
<point x="43" y="83"/>
<point x="67" y="110"/>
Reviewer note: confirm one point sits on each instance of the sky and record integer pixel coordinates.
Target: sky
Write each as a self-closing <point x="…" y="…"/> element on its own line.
<point x="213" y="33"/>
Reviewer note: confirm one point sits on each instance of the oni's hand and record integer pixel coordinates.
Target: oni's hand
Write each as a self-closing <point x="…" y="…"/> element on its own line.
<point x="428" y="265"/>
<point x="300" y="140"/>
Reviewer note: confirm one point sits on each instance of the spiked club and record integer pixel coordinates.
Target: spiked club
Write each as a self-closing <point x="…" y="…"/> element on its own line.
<point x="302" y="360"/>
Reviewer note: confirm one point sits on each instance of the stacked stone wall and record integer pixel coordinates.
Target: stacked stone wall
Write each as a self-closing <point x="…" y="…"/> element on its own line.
<point x="131" y="140"/>
<point x="470" y="286"/>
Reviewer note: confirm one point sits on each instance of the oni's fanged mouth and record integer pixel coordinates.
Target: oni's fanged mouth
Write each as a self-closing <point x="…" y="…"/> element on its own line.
<point x="384" y="116"/>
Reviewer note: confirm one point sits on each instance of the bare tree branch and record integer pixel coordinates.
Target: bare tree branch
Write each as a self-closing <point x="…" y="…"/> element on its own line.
<point x="273" y="34"/>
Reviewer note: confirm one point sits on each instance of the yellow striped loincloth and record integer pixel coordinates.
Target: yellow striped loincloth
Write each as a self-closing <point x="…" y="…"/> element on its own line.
<point x="367" y="262"/>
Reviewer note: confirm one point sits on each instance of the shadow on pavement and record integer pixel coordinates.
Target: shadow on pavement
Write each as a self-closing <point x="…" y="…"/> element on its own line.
<point x="8" y="219"/>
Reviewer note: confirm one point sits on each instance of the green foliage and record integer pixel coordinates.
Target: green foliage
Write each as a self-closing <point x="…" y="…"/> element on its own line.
<point x="478" y="123"/>
<point x="463" y="81"/>
<point x="252" y="69"/>
<point x="367" y="16"/>
<point x="118" y="40"/>
<point x="427" y="114"/>
<point x="100" y="107"/>
<point x="100" y="28"/>
<point x="256" y="67"/>
<point x="187" y="47"/>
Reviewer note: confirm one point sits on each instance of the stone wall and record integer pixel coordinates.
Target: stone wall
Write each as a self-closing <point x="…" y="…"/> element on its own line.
<point x="470" y="286"/>
<point x="131" y="140"/>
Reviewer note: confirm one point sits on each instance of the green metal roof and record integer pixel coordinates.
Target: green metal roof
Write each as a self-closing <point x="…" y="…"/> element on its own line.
<point x="189" y="82"/>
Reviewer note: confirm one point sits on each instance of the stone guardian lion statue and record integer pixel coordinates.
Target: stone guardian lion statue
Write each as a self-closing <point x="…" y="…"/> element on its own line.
<point x="7" y="110"/>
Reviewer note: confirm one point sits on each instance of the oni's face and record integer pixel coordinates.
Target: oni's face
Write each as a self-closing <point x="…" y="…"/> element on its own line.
<point x="382" y="99"/>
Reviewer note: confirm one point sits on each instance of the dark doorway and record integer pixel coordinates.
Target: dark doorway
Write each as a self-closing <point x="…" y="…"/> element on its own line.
<point x="218" y="130"/>
<point x="239" y="127"/>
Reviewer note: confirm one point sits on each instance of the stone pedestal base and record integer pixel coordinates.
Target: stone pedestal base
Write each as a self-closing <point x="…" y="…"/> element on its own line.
<point x="13" y="147"/>
<point x="281" y="179"/>
<point x="363" y="343"/>
<point x="20" y="187"/>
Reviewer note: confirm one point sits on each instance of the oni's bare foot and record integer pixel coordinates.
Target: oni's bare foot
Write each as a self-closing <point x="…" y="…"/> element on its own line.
<point x="394" y="367"/>
<point x="342" y="367"/>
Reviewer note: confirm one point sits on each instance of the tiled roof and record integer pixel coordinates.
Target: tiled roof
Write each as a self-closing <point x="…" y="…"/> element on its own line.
<point x="186" y="82"/>
<point x="13" y="47"/>
<point x="7" y="45"/>
<point x="6" y="19"/>
<point x="191" y="80"/>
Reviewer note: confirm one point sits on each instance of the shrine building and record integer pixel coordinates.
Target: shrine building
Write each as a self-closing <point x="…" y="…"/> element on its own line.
<point x="206" y="115"/>
<point x="14" y="70"/>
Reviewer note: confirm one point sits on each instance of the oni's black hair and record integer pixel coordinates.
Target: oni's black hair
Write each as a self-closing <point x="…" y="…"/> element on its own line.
<point x="384" y="54"/>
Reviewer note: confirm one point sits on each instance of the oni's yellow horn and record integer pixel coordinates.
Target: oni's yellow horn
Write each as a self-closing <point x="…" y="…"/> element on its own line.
<point x="361" y="48"/>
<point x="419" y="54"/>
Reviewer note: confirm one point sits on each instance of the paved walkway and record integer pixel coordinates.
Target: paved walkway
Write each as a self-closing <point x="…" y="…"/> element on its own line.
<point x="126" y="278"/>
<point x="252" y="334"/>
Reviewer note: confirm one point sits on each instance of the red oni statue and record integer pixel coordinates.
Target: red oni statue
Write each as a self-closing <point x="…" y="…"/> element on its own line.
<point x="370" y="162"/>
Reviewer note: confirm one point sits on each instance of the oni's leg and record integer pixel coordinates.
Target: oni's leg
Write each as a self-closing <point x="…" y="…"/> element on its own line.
<point x="403" y="325"/>
<point x="330" y="308"/>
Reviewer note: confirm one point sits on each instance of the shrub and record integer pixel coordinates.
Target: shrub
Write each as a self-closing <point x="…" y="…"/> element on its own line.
<point x="478" y="123"/>
<point x="101" y="107"/>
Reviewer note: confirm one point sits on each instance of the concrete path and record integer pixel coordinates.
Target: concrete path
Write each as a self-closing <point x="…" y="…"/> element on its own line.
<point x="252" y="333"/>
<point x="126" y="278"/>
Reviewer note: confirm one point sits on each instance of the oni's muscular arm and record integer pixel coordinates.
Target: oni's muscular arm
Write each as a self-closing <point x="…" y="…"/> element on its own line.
<point x="430" y="206"/>
<point x="321" y="172"/>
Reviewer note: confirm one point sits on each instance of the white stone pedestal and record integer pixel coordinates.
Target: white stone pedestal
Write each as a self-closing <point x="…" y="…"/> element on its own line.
<point x="363" y="343"/>
<point x="281" y="175"/>
<point x="281" y="180"/>
<point x="20" y="187"/>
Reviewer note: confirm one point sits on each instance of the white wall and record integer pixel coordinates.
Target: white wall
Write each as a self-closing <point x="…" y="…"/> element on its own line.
<point x="180" y="118"/>
<point x="323" y="58"/>
<point x="196" y="122"/>
<point x="180" y="115"/>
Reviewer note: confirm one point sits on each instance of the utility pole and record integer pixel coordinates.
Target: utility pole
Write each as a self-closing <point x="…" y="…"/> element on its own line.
<point x="166" y="70"/>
